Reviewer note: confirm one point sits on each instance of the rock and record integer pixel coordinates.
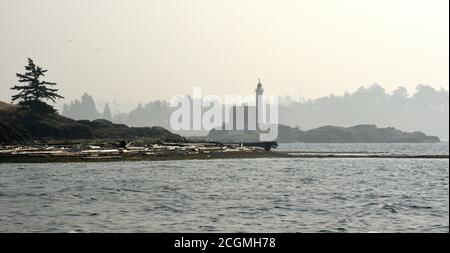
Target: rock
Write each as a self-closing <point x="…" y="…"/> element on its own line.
<point x="17" y="127"/>
<point x="329" y="134"/>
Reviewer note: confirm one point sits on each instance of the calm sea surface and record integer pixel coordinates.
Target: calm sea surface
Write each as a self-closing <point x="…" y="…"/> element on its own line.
<point x="241" y="195"/>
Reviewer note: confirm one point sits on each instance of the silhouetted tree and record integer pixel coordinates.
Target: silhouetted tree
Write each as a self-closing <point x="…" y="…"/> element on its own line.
<point x="107" y="112"/>
<point x="34" y="93"/>
<point x="399" y="102"/>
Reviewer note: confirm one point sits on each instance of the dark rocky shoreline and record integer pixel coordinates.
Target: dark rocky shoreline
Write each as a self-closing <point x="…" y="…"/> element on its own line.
<point x="155" y="152"/>
<point x="205" y="151"/>
<point x="17" y="127"/>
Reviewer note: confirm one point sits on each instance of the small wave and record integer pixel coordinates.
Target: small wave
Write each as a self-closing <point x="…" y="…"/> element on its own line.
<point x="168" y="188"/>
<point x="169" y="208"/>
<point x="390" y="208"/>
<point x="307" y="180"/>
<point x="130" y="190"/>
<point x="325" y="231"/>
<point x="289" y="168"/>
<point x="75" y="231"/>
<point x="338" y="196"/>
<point x="110" y="189"/>
<point x="171" y="166"/>
<point x="207" y="228"/>
<point x="73" y="214"/>
<point x="420" y="207"/>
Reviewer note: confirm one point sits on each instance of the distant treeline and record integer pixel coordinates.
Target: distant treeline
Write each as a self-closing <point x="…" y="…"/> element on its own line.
<point x="426" y="110"/>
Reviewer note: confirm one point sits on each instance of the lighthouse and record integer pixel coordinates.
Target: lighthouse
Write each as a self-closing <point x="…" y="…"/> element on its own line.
<point x="259" y="102"/>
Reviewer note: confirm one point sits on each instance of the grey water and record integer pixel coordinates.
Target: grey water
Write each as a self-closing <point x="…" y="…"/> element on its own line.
<point x="406" y="149"/>
<point x="233" y="195"/>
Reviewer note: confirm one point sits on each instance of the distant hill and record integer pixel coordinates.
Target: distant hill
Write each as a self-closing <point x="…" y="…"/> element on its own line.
<point x="16" y="127"/>
<point x="329" y="134"/>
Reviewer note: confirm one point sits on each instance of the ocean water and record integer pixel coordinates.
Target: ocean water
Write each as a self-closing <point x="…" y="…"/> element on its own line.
<point x="235" y="195"/>
<point x="370" y="148"/>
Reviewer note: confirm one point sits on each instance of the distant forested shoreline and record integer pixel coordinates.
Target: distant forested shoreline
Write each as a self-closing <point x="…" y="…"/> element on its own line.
<point x="425" y="110"/>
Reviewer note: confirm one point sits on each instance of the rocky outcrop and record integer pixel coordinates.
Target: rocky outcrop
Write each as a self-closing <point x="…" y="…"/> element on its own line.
<point x="364" y="134"/>
<point x="18" y="127"/>
<point x="329" y="134"/>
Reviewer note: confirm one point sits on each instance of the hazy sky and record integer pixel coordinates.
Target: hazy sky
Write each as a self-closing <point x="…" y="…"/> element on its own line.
<point x="143" y="50"/>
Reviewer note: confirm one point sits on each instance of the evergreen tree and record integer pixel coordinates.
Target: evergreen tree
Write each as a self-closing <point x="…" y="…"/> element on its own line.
<point x="34" y="93"/>
<point x="107" y="113"/>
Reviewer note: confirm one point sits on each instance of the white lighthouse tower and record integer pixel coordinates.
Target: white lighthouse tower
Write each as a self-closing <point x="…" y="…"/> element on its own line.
<point x="259" y="103"/>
